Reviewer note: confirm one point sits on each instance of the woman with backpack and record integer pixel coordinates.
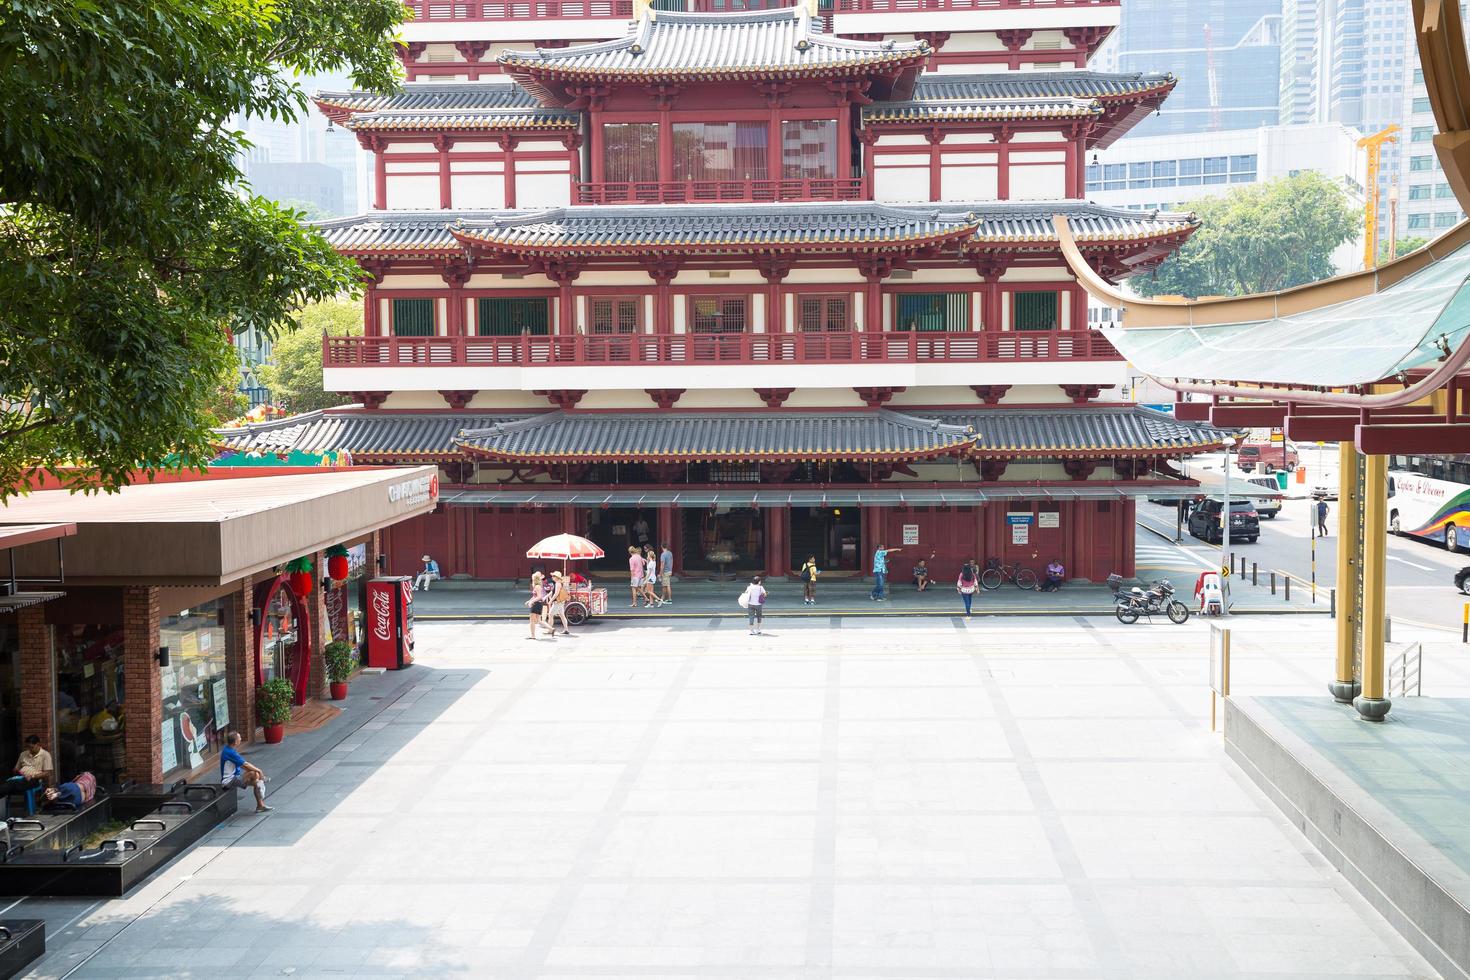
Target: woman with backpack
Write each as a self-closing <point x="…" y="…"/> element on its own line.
<point x="968" y="583"/>
<point x="754" y="601"/>
<point x="808" y="576"/>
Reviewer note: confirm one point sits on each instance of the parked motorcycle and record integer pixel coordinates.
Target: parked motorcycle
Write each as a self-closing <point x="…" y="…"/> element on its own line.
<point x="1159" y="598"/>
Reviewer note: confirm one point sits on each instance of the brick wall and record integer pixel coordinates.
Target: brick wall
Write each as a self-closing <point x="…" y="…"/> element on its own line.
<point x="37" y="678"/>
<point x="240" y="658"/>
<point x="143" y="694"/>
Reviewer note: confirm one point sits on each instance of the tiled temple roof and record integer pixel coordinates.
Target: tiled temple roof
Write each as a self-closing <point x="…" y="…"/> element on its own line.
<point x="771" y="436"/>
<point x="1117" y="100"/>
<point x="998" y="432"/>
<point x="444" y="106"/>
<point x="731" y="227"/>
<point x="754" y="46"/>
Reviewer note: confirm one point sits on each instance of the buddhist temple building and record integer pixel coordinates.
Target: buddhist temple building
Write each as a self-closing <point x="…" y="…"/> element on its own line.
<point x="755" y="281"/>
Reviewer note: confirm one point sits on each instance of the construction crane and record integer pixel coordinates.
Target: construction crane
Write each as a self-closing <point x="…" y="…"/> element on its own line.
<point x="1212" y="80"/>
<point x="1374" y="145"/>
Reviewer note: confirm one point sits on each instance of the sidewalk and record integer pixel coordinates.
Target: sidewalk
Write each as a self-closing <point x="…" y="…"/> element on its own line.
<point x="470" y="600"/>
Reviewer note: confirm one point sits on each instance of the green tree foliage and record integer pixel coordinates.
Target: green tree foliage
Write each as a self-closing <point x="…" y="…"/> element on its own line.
<point x="128" y="252"/>
<point x="294" y="375"/>
<point x="1259" y="238"/>
<point x="1402" y="247"/>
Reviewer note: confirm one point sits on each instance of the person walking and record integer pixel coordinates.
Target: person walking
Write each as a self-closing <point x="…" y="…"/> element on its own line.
<point x="967" y="584"/>
<point x="754" y="601"/>
<point x="1322" y="518"/>
<point x="559" y="598"/>
<point x="635" y="574"/>
<point x="880" y="572"/>
<point x="808" y="576"/>
<point x="537" y="606"/>
<point x="650" y="578"/>
<point x="666" y="573"/>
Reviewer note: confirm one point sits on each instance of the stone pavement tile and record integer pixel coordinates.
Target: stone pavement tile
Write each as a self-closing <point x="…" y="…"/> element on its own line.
<point x="586" y="705"/>
<point x="930" y="845"/>
<point x="707" y="704"/>
<point x="919" y="703"/>
<point x="1187" y="848"/>
<point x="470" y="787"/>
<point x="555" y="741"/>
<point x="690" y="925"/>
<point x="909" y="739"/>
<point x="1123" y="738"/>
<point x="691" y="787"/>
<point x="1036" y="668"/>
<point x="1085" y="701"/>
<point x="708" y="846"/>
<point x="758" y="672"/>
<point x="737" y="741"/>
<point x="938" y="787"/>
<point x="631" y="673"/>
<point x="893" y="926"/>
<point x="950" y="670"/>
<point x="1144" y="787"/>
<point x="468" y="848"/>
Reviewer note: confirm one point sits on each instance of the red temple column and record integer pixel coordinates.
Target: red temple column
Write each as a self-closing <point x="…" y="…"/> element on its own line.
<point x="594" y="128"/>
<point x="380" y="176"/>
<point x="936" y="170"/>
<point x="1127" y="517"/>
<point x="508" y="144"/>
<point x="873" y="305"/>
<point x="442" y="144"/>
<point x="1003" y="170"/>
<point x="674" y="535"/>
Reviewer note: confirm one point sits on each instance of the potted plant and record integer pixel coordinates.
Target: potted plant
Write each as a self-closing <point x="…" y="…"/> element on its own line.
<point x="273" y="701"/>
<point x="341" y="662"/>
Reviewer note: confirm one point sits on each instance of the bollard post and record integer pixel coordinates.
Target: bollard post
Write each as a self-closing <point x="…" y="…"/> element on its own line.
<point x="1288" y="587"/>
<point x="1387" y="629"/>
<point x="1332" y="597"/>
<point x="1254" y="570"/>
<point x="1273" y="583"/>
<point x="1465" y="625"/>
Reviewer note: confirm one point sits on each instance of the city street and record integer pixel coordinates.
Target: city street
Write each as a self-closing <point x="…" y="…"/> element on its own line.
<point x="1420" y="574"/>
<point x="854" y="798"/>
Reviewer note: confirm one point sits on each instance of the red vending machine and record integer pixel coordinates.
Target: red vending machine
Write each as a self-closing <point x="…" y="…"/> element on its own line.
<point x="390" y="622"/>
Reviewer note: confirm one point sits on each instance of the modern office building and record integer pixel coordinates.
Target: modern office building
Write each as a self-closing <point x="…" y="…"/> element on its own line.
<point x="1426" y="206"/>
<point x="1225" y="53"/>
<point x="765" y="290"/>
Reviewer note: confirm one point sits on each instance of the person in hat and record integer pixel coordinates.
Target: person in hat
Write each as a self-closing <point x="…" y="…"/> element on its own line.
<point x="427" y="574"/>
<point x="559" y="598"/>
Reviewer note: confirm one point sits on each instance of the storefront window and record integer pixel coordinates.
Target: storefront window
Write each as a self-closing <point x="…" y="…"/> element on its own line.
<point x="89" y="695"/>
<point x="196" y="704"/>
<point x="344" y="600"/>
<point x="280" y="637"/>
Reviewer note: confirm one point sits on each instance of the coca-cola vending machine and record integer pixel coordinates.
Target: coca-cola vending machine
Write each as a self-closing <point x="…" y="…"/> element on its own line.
<point x="390" y="622"/>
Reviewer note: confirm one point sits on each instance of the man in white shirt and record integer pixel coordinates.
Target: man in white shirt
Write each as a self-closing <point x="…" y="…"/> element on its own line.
<point x="429" y="573"/>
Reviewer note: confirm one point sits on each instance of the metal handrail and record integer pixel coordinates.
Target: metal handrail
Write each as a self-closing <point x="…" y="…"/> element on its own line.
<point x="1405" y="672"/>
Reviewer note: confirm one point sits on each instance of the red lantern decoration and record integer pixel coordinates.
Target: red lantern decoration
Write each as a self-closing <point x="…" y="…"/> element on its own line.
<point x="301" y="584"/>
<point x="337" y="567"/>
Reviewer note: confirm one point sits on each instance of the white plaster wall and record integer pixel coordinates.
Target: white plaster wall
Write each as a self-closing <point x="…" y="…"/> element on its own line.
<point x="967" y="139"/>
<point x="441" y="54"/>
<point x="412" y="193"/>
<point x="543" y="190"/>
<point x="1037" y="136"/>
<point x="1033" y="183"/>
<point x="969" y="183"/>
<point x="1038" y="274"/>
<point x="902" y="139"/>
<point x="411" y="282"/>
<point x="900" y="185"/>
<point x="492" y="280"/>
<point x="843" y="275"/>
<point x="396" y="148"/>
<point x="477" y="190"/>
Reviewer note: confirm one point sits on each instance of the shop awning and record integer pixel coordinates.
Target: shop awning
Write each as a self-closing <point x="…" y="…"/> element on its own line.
<point x="830" y="497"/>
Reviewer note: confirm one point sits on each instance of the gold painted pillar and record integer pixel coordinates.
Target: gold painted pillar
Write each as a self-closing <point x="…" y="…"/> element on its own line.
<point x="1344" y="686"/>
<point x="1373" y="703"/>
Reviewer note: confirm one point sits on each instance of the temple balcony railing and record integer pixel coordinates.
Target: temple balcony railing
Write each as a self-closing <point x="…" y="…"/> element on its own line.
<point x="520" y="10"/>
<point x="923" y="6"/>
<point x="732" y="349"/>
<point x="719" y="191"/>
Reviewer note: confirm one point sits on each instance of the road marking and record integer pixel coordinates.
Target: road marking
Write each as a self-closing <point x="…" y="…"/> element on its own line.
<point x="1411" y="564"/>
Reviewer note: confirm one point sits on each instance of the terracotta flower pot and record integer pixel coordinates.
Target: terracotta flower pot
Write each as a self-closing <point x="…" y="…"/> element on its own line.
<point x="274" y="734"/>
<point x="339" y="690"/>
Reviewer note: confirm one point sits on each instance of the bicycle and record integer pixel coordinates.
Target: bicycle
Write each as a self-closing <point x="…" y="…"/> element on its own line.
<point x="997" y="572"/>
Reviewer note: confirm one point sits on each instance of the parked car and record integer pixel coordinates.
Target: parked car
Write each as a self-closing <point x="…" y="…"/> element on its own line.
<point x="1269" y="456"/>
<point x="1462" y="580"/>
<point x="1267" y="507"/>
<point x="1245" y="524"/>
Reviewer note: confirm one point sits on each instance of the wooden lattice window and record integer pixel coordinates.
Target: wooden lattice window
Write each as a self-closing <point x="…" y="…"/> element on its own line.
<point x="822" y="314"/>
<point x="615" y="314"/>
<point x="413" y="318"/>
<point x="512" y="316"/>
<point x="949" y="312"/>
<point x="717" y="314"/>
<point x="1036" y="309"/>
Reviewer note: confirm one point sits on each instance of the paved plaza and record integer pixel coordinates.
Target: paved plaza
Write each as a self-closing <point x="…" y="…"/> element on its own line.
<point x="846" y="799"/>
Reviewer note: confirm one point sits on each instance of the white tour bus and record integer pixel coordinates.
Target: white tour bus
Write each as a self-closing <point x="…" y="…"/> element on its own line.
<point x="1429" y="499"/>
